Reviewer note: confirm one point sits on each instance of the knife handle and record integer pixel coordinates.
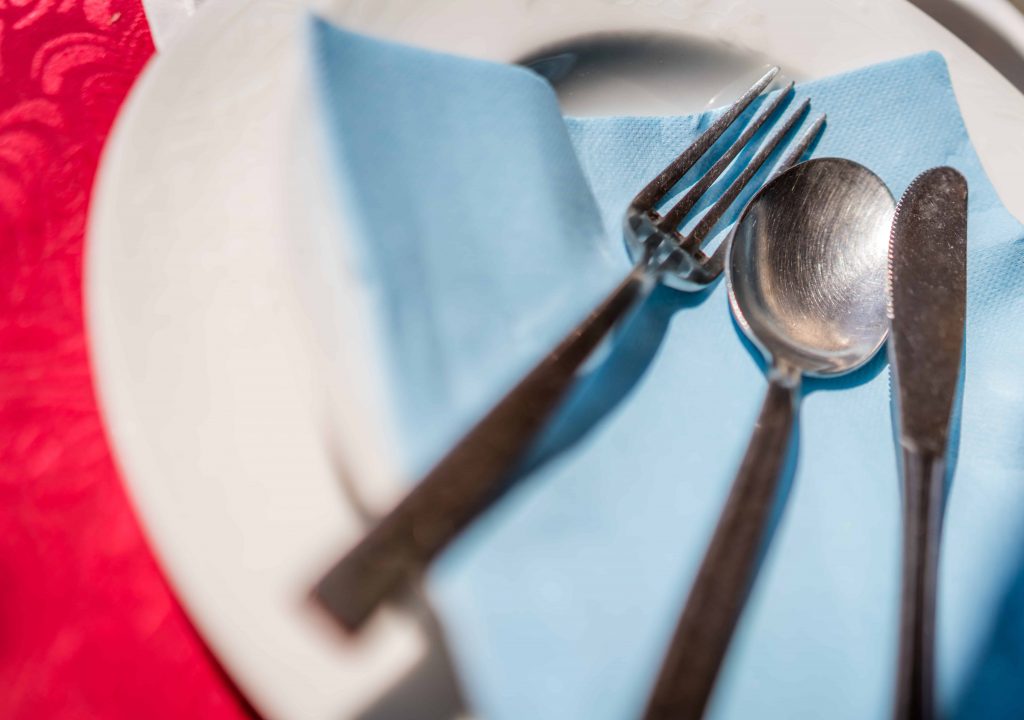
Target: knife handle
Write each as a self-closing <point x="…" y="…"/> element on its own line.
<point x="474" y="474"/>
<point x="730" y="563"/>
<point x="924" y="477"/>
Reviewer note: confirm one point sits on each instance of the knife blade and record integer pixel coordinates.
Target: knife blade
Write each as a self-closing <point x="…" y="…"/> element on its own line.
<point x="927" y="304"/>
<point x="927" y="291"/>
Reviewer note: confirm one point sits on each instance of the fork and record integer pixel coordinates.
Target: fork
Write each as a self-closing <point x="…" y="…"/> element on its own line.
<point x="476" y="471"/>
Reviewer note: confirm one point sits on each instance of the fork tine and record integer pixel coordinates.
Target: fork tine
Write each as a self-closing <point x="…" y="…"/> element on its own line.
<point x="696" y="237"/>
<point x="656" y="189"/>
<point x="716" y="262"/>
<point x="795" y="152"/>
<point x="680" y="210"/>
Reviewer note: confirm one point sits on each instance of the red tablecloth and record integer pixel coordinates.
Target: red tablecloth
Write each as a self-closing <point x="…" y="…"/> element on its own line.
<point x="88" y="627"/>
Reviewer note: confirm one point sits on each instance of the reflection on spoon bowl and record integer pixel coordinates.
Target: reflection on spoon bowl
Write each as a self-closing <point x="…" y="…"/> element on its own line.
<point x="806" y="272"/>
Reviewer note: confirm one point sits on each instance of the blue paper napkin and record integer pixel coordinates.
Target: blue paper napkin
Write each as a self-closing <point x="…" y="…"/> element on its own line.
<point x="484" y="225"/>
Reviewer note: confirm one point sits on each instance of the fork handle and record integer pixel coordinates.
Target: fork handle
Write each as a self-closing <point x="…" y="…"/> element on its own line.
<point x="923" y="488"/>
<point x="730" y="563"/>
<point x="474" y="473"/>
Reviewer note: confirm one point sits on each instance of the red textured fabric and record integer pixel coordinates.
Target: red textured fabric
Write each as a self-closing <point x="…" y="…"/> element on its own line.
<point x="88" y="627"/>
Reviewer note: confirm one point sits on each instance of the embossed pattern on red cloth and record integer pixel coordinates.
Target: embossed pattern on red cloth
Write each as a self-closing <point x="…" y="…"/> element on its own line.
<point x="88" y="627"/>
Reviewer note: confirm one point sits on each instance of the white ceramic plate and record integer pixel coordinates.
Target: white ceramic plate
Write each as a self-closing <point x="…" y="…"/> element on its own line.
<point x="244" y="427"/>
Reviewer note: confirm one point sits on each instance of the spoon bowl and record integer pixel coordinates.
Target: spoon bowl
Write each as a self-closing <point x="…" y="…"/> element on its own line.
<point x="807" y="268"/>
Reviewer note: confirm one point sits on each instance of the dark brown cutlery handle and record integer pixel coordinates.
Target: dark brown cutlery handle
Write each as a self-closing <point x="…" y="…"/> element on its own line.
<point x="729" y="566"/>
<point x="473" y="474"/>
<point x="923" y="493"/>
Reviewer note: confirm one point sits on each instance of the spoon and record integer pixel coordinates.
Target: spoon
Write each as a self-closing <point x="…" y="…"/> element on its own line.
<point x="806" y="278"/>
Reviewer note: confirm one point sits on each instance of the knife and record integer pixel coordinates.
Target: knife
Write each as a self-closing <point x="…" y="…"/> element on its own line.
<point x="927" y="311"/>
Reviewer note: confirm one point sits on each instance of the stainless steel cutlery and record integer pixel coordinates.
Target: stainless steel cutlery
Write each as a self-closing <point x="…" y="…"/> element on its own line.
<point x="927" y="310"/>
<point x="476" y="471"/>
<point x="806" y="279"/>
<point x="807" y="283"/>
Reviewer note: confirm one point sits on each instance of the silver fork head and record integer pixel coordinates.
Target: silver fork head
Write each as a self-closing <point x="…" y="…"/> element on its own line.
<point x="656" y="239"/>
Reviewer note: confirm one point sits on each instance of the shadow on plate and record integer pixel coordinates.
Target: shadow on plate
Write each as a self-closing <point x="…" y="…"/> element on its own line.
<point x="984" y="39"/>
<point x="430" y="690"/>
<point x="651" y="74"/>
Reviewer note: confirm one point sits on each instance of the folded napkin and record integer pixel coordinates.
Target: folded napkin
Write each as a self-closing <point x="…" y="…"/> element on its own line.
<point x="484" y="225"/>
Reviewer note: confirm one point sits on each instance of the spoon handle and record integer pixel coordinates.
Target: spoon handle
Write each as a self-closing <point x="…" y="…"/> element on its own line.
<point x="923" y="487"/>
<point x="474" y="473"/>
<point x="730" y="563"/>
